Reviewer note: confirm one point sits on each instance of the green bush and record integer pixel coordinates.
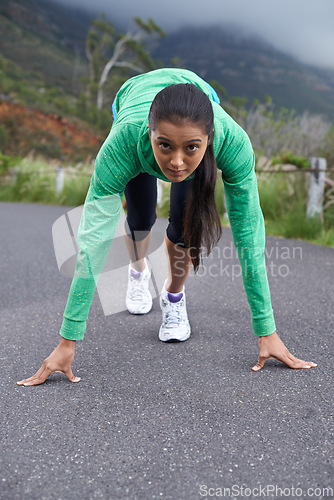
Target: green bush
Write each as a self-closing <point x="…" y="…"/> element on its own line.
<point x="290" y="158"/>
<point x="5" y="163"/>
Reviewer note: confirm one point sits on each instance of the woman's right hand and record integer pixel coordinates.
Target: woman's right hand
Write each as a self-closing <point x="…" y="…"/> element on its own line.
<point x="60" y="360"/>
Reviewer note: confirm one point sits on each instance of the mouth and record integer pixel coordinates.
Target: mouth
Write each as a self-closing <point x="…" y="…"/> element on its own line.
<point x="176" y="172"/>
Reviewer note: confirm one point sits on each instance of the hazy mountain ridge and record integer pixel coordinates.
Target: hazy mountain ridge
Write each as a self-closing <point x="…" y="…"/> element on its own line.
<point x="250" y="67"/>
<point x="247" y="66"/>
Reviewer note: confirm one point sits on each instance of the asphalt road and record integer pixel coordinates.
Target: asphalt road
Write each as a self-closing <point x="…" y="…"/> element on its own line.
<point x="174" y="421"/>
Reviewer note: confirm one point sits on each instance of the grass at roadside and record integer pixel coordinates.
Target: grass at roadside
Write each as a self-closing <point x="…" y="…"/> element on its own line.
<point x="34" y="181"/>
<point x="283" y="204"/>
<point x="282" y="197"/>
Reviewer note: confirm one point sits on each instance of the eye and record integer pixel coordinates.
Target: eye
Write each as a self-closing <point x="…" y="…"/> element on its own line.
<point x="193" y="148"/>
<point x="164" y="146"/>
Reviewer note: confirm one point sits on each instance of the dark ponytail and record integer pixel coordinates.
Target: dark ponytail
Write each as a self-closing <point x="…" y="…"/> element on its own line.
<point x="202" y="226"/>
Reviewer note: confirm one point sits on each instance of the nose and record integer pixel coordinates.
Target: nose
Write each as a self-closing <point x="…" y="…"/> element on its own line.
<point x="177" y="161"/>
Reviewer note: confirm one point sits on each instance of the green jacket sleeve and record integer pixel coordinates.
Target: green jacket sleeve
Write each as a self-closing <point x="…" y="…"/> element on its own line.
<point x="247" y="224"/>
<point x="115" y="165"/>
<point x="100" y="216"/>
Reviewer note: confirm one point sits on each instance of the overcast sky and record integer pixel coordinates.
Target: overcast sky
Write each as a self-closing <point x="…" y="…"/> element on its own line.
<point x="302" y="28"/>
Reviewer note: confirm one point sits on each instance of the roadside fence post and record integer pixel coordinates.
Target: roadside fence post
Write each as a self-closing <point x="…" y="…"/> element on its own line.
<point x="317" y="187"/>
<point x="60" y="176"/>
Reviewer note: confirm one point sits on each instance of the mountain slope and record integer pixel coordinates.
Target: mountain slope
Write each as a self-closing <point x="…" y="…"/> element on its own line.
<point x="47" y="41"/>
<point x="47" y="134"/>
<point x="35" y="38"/>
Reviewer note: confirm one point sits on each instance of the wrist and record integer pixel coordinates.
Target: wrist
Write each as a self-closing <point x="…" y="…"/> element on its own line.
<point x="67" y="343"/>
<point x="268" y="335"/>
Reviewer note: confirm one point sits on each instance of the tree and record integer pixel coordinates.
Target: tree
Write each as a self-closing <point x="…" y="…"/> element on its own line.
<point x="106" y="50"/>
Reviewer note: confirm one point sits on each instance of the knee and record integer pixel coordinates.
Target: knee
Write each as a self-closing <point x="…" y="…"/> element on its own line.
<point x="175" y="235"/>
<point x="140" y="228"/>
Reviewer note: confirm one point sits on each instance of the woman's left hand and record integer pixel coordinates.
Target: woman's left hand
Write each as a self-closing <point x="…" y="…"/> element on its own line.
<point x="271" y="347"/>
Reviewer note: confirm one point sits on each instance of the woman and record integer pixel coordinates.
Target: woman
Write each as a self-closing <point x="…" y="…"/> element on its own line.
<point x="168" y="124"/>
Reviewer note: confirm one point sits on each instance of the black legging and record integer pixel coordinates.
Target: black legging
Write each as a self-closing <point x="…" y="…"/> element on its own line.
<point x="141" y="199"/>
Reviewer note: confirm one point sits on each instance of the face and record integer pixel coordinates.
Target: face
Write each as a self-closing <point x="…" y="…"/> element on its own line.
<point x="178" y="148"/>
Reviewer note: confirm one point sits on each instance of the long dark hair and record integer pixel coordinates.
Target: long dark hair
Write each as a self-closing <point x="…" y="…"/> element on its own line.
<point x="202" y="226"/>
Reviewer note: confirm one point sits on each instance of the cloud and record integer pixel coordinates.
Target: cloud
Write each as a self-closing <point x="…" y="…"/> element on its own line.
<point x="300" y="28"/>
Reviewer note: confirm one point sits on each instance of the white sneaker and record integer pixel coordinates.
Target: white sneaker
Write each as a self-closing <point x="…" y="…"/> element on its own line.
<point x="175" y="324"/>
<point x="138" y="297"/>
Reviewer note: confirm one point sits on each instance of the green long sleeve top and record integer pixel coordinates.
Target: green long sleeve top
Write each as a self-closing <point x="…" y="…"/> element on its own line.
<point x="127" y="152"/>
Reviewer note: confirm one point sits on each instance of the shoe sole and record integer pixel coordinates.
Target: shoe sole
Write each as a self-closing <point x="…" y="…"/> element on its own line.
<point x="141" y="312"/>
<point x="133" y="311"/>
<point x="184" y="337"/>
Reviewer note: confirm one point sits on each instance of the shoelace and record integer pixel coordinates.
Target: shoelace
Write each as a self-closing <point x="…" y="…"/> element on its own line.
<point x="173" y="316"/>
<point x="136" y="291"/>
